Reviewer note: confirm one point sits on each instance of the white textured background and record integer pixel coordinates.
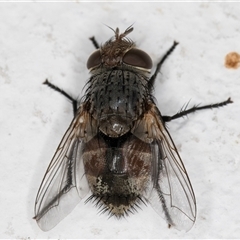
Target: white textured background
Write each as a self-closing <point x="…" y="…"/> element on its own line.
<point x="50" y="40"/>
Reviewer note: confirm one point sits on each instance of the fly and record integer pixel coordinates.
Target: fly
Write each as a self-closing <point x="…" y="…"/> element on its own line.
<point x="117" y="146"/>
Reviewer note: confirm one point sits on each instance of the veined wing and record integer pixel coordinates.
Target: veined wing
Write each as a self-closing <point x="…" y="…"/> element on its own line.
<point x="172" y="195"/>
<point x="64" y="183"/>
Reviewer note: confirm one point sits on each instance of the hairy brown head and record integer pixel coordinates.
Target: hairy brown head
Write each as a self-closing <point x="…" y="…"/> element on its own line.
<point x="120" y="49"/>
<point x="113" y="50"/>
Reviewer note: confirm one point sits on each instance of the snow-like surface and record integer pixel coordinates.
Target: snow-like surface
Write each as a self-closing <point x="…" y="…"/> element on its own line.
<point x="50" y="40"/>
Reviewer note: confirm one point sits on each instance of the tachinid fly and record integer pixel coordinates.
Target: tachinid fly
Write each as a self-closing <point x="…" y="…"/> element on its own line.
<point x="117" y="146"/>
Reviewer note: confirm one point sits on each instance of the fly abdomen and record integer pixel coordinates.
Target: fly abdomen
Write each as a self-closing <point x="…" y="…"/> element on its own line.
<point x="118" y="170"/>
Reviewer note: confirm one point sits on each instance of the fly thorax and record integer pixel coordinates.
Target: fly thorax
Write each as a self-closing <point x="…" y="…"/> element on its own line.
<point x="117" y="99"/>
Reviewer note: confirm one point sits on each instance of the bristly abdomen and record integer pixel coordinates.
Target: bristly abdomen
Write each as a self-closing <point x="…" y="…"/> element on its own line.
<point x="117" y="205"/>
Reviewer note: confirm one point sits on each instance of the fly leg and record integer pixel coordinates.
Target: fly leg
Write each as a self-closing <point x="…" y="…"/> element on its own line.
<point x="94" y="42"/>
<point x="74" y="101"/>
<point x="153" y="77"/>
<point x="184" y="112"/>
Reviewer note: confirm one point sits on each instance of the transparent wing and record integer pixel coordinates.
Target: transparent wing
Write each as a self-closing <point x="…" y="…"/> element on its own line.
<point x="172" y="195"/>
<point x="64" y="183"/>
<point x="171" y="186"/>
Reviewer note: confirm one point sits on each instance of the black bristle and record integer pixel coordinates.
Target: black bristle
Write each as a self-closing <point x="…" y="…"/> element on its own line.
<point x="111" y="204"/>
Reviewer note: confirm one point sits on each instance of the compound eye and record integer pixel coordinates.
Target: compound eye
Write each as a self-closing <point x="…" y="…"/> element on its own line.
<point x="138" y="58"/>
<point x="94" y="59"/>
